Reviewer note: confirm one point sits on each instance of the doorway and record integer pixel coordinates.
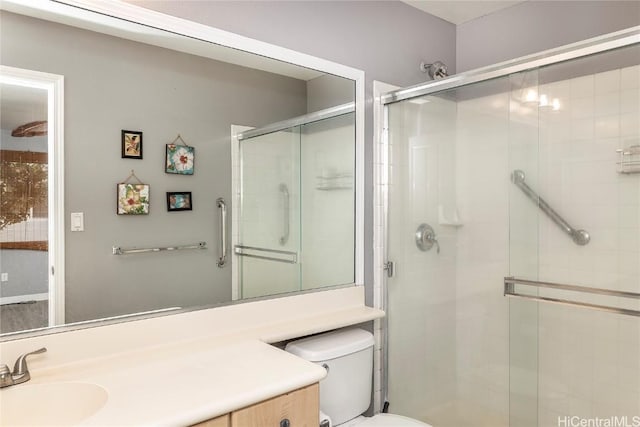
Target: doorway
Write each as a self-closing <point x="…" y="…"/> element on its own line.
<point x="32" y="203"/>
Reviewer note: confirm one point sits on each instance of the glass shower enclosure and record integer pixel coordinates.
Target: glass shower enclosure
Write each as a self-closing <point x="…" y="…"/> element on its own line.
<point x="513" y="221"/>
<point x="295" y="191"/>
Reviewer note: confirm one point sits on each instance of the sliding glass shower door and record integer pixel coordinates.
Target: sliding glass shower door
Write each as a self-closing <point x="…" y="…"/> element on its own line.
<point x="575" y="241"/>
<point x="522" y="185"/>
<point x="296" y="228"/>
<point x="448" y="327"/>
<point x="269" y="232"/>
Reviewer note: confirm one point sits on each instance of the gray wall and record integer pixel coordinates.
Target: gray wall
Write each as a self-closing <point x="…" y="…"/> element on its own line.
<point x="535" y="25"/>
<point x="27" y="272"/>
<point x="386" y="39"/>
<point x="113" y="84"/>
<point x="328" y="91"/>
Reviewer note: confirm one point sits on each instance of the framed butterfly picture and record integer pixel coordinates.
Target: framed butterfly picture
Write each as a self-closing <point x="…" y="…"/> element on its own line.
<point x="131" y="144"/>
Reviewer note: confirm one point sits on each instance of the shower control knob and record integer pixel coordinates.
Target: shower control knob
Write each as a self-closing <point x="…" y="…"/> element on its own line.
<point x="426" y="238"/>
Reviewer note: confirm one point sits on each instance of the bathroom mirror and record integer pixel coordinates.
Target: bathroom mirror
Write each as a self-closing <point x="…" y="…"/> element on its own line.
<point x="158" y="115"/>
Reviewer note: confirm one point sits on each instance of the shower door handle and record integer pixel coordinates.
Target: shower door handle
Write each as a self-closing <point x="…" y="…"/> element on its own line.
<point x="220" y="203"/>
<point x="286" y="217"/>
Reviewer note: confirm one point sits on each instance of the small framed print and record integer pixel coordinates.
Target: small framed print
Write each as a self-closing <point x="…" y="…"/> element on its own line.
<point x="180" y="159"/>
<point x="131" y="144"/>
<point x="133" y="199"/>
<point x="179" y="201"/>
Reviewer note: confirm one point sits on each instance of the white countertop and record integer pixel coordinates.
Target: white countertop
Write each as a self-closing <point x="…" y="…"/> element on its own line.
<point x="187" y="384"/>
<point x="182" y="370"/>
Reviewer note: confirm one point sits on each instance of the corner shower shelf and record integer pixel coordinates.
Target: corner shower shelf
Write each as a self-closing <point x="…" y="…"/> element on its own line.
<point x="454" y="221"/>
<point x="333" y="187"/>
<point x="334" y="181"/>
<point x="629" y="161"/>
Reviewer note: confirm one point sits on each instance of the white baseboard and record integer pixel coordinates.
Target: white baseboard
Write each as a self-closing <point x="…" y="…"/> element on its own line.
<point x="23" y="298"/>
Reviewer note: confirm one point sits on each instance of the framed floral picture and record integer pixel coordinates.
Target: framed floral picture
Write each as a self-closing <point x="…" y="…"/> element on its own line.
<point x="180" y="159"/>
<point x="131" y="144"/>
<point x="133" y="199"/>
<point x="179" y="201"/>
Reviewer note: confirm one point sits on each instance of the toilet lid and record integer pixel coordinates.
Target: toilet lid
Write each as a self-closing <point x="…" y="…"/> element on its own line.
<point x="391" y="420"/>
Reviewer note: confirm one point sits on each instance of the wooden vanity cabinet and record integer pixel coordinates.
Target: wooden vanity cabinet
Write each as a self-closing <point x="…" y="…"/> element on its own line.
<point x="222" y="421"/>
<point x="299" y="408"/>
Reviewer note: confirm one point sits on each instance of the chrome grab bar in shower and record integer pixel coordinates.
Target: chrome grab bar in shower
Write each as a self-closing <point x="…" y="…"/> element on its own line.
<point x="579" y="237"/>
<point x="510" y="291"/>
<point x="285" y="234"/>
<point x="222" y="221"/>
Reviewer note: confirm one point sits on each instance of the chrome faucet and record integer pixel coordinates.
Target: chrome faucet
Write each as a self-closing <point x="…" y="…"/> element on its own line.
<point x="20" y="372"/>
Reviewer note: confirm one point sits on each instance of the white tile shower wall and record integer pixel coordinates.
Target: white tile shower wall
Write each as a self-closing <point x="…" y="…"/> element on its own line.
<point x="482" y="258"/>
<point x="522" y="339"/>
<point x="422" y="302"/>
<point x="589" y="361"/>
<point x="327" y="188"/>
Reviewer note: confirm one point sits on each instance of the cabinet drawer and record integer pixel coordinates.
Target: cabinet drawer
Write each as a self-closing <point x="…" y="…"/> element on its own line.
<point x="300" y="407"/>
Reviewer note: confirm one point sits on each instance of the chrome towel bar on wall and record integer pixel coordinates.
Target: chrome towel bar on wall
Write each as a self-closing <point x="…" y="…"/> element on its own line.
<point x="510" y="291"/>
<point x="117" y="250"/>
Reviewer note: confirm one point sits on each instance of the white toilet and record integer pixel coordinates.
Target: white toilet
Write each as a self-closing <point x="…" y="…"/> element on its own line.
<point x="345" y="393"/>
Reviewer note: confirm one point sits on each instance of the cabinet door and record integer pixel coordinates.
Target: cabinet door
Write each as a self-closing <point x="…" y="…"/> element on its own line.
<point x="301" y="408"/>
<point x="222" y="421"/>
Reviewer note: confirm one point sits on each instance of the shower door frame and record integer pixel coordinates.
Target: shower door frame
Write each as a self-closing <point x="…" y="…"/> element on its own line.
<point x="382" y="101"/>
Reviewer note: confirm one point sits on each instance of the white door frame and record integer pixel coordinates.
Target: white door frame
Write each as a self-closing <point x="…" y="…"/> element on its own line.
<point x="380" y="206"/>
<point x="236" y="203"/>
<point x="54" y="85"/>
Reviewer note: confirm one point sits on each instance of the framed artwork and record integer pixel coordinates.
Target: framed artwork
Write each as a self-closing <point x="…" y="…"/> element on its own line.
<point x="179" y="201"/>
<point x="133" y="199"/>
<point x="180" y="159"/>
<point x="131" y="144"/>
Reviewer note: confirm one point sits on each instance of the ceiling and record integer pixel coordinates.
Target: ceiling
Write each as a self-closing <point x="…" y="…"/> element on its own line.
<point x="460" y="11"/>
<point x="20" y="105"/>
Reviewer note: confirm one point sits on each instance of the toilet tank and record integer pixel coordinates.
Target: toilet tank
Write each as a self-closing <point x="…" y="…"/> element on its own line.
<point x="347" y="355"/>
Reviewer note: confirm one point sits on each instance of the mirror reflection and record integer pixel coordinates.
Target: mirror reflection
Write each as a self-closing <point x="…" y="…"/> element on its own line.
<point x="155" y="132"/>
<point x="297" y="197"/>
<point x="23" y="208"/>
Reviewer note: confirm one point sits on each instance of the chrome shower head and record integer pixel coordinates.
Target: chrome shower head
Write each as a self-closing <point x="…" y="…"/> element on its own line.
<point x="436" y="70"/>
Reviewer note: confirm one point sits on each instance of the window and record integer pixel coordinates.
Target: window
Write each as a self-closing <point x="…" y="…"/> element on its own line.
<point x="23" y="200"/>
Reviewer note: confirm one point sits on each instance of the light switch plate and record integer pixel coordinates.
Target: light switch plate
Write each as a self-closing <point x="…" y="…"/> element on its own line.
<point x="77" y="221"/>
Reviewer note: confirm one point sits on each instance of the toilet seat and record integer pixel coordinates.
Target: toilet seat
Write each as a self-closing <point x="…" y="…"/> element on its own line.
<point x="384" y="420"/>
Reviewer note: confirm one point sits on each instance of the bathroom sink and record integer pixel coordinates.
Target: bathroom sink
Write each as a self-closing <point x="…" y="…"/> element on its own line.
<point x="63" y="403"/>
